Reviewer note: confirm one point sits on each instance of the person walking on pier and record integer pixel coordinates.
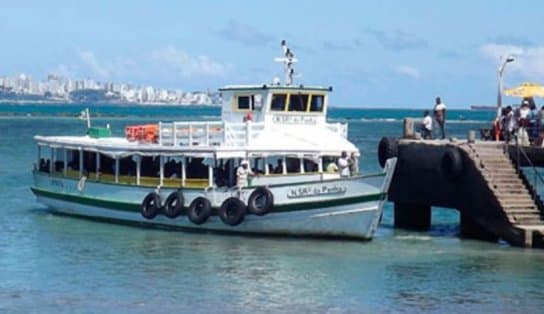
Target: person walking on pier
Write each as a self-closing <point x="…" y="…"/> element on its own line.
<point x="440" y="116"/>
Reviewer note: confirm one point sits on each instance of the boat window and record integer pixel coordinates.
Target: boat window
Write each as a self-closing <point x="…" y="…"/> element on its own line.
<point x="310" y="165"/>
<point x="246" y="102"/>
<point x="329" y="164"/>
<point x="172" y="167"/>
<point x="293" y="164"/>
<point x="317" y="103"/>
<point x="196" y="169"/>
<point x="275" y="164"/>
<point x="278" y="102"/>
<point x="298" y="102"/>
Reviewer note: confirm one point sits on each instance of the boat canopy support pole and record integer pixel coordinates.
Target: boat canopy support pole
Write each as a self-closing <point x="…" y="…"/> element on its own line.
<point x="266" y="168"/>
<point x="301" y="165"/>
<point x="138" y="168"/>
<point x="183" y="170"/>
<point x="161" y="170"/>
<point x="65" y="163"/>
<point x="52" y="163"/>
<point x="210" y="175"/>
<point x="320" y="165"/>
<point x="80" y="162"/>
<point x="116" y="169"/>
<point x="284" y="165"/>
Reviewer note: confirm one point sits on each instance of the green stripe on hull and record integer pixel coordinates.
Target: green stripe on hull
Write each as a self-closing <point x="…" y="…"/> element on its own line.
<point x="135" y="207"/>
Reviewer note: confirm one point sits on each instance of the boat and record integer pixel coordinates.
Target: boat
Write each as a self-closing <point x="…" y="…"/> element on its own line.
<point x="186" y="175"/>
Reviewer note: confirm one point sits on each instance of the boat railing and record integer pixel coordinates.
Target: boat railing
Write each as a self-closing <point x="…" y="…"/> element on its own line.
<point x="209" y="133"/>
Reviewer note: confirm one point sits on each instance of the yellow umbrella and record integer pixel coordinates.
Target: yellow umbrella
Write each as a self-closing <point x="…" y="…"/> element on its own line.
<point x="526" y="89"/>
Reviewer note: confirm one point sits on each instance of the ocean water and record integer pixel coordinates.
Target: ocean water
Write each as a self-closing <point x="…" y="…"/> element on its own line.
<point x="57" y="264"/>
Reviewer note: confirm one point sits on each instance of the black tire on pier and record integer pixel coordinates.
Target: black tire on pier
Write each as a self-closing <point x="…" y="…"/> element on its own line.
<point x="452" y="163"/>
<point x="199" y="210"/>
<point x="173" y="206"/>
<point x="151" y="205"/>
<point x="232" y="211"/>
<point x="261" y="201"/>
<point x="387" y="148"/>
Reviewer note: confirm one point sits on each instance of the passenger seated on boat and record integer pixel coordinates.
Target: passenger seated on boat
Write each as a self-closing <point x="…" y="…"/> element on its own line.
<point x="220" y="176"/>
<point x="309" y="166"/>
<point x="279" y="167"/>
<point x="170" y="169"/>
<point x="331" y="166"/>
<point x="196" y="169"/>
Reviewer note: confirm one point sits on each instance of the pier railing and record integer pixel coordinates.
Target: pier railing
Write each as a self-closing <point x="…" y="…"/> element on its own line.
<point x="531" y="172"/>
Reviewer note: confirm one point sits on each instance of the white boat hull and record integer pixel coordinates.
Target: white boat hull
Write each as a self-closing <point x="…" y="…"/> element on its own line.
<point x="336" y="208"/>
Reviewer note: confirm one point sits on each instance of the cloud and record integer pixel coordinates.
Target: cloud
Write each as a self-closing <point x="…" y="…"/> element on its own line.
<point x="529" y="61"/>
<point x="244" y="33"/>
<point x="409" y="71"/>
<point x="451" y="54"/>
<point x="337" y="46"/>
<point x="512" y="40"/>
<point x="189" y="66"/>
<point x="89" y="60"/>
<point x="397" y="40"/>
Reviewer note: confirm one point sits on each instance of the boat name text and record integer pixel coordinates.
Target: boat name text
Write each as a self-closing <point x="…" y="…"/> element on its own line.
<point x="311" y="191"/>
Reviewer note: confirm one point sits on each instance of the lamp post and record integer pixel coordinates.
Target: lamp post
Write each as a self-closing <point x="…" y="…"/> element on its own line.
<point x="499" y="92"/>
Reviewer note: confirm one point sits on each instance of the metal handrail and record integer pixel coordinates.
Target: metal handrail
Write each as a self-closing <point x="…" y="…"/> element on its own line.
<point x="521" y="151"/>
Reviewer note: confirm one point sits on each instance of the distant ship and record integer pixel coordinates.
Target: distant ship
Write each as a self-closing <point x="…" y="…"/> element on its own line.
<point x="483" y="107"/>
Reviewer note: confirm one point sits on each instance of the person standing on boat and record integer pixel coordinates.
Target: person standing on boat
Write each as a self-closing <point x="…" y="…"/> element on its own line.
<point x="343" y="165"/>
<point x="242" y="174"/>
<point x="440" y="116"/>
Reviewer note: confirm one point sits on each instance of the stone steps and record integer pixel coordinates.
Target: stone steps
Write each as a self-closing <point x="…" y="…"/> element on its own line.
<point x="508" y="187"/>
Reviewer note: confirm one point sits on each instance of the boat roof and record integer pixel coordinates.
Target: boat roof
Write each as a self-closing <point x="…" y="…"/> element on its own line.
<point x="272" y="140"/>
<point x="300" y="87"/>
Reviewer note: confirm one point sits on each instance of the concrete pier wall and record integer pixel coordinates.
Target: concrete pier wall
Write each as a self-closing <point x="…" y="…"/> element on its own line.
<point x="450" y="174"/>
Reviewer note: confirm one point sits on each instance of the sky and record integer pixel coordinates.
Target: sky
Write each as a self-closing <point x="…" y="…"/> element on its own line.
<point x="374" y="53"/>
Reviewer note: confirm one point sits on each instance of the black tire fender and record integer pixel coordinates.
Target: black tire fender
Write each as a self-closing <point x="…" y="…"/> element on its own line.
<point x="174" y="204"/>
<point x="151" y="205"/>
<point x="261" y="194"/>
<point x="452" y="163"/>
<point x="232" y="211"/>
<point x="199" y="210"/>
<point x="387" y="148"/>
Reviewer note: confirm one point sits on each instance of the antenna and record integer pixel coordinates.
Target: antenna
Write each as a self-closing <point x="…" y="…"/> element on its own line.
<point x="288" y="60"/>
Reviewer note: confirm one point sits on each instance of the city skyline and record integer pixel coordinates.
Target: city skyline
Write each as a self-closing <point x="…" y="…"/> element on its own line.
<point x="55" y="88"/>
<point x="374" y="54"/>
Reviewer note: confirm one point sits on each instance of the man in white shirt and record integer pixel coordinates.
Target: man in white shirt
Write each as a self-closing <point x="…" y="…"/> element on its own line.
<point x="242" y="173"/>
<point x="426" y="125"/>
<point x="440" y="115"/>
<point x="343" y="165"/>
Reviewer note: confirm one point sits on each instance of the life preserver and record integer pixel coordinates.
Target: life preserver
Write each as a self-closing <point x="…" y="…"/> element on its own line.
<point x="81" y="183"/>
<point x="151" y="205"/>
<point x="232" y="211"/>
<point x="452" y="163"/>
<point x="200" y="210"/>
<point x="260" y="201"/>
<point x="387" y="148"/>
<point x="173" y="206"/>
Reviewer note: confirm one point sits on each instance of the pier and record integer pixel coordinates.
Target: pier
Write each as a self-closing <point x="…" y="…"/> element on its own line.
<point x="483" y="180"/>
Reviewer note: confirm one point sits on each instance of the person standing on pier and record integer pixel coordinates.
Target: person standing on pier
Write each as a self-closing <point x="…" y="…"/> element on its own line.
<point x="440" y="115"/>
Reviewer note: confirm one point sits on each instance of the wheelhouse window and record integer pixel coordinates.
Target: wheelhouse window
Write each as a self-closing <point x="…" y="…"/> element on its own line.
<point x="246" y="102"/>
<point x="298" y="102"/>
<point x="317" y="103"/>
<point x="278" y="102"/>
